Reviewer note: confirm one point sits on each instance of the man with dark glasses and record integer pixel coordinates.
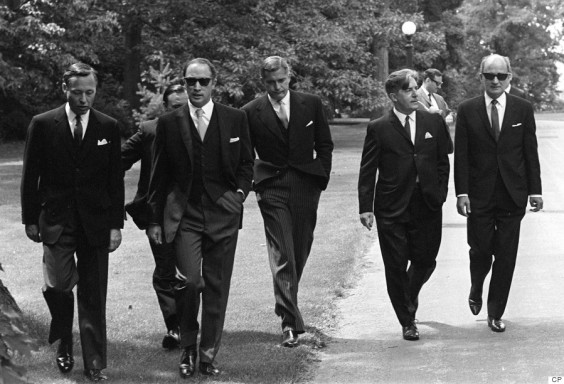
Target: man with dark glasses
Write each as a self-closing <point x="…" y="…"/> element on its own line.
<point x="496" y="169"/>
<point x="202" y="172"/>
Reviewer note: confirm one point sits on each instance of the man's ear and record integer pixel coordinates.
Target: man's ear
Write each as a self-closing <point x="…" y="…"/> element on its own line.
<point x="65" y="88"/>
<point x="393" y="97"/>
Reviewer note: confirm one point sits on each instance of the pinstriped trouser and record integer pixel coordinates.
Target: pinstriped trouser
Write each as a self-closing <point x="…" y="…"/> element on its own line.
<point x="288" y="205"/>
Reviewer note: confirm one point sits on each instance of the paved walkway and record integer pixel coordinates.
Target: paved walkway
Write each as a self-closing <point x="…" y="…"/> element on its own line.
<point x="455" y="346"/>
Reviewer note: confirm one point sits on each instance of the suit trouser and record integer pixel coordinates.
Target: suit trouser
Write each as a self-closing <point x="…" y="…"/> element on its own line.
<point x="288" y="205"/>
<point x="414" y="237"/>
<point x="205" y="250"/>
<point x="493" y="230"/>
<point x="164" y="281"/>
<point x="61" y="274"/>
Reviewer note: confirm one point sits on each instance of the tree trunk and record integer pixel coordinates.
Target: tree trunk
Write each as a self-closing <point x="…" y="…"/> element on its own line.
<point x="132" y="72"/>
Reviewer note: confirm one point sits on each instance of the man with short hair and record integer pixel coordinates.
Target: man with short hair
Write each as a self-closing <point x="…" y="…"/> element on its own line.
<point x="72" y="201"/>
<point x="201" y="175"/>
<point x="403" y="183"/>
<point x="293" y="143"/>
<point x="140" y="147"/>
<point x="496" y="168"/>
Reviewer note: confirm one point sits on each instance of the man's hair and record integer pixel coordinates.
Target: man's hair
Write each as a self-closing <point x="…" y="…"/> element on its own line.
<point x="79" y="70"/>
<point x="200" y="60"/>
<point x="485" y="58"/>
<point x="175" y="87"/>
<point x="274" y="63"/>
<point x="431" y="73"/>
<point x="399" y="80"/>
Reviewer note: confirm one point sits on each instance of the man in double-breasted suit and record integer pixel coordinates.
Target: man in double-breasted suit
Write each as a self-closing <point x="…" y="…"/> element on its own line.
<point x="408" y="150"/>
<point x="72" y="201"/>
<point x="496" y="168"/>
<point x="140" y="147"/>
<point x="202" y="172"/>
<point x="291" y="137"/>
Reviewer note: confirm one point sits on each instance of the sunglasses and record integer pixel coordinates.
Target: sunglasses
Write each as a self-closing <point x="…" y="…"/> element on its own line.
<point x="500" y="76"/>
<point x="191" y="81"/>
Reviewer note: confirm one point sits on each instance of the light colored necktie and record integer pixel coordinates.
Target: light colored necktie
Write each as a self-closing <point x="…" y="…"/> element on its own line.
<point x="282" y="114"/>
<point x="78" y="132"/>
<point x="202" y="127"/>
<point x="495" y="120"/>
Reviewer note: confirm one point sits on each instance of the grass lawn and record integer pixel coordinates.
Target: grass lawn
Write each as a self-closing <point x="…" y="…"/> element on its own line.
<point x="249" y="352"/>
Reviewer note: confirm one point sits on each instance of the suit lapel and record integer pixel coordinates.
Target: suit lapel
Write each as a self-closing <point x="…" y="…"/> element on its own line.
<point x="483" y="114"/>
<point x="63" y="128"/>
<point x="509" y="111"/>
<point x="419" y="128"/>
<point x="268" y="117"/>
<point x="398" y="126"/>
<point x="184" y="121"/>
<point x="224" y="130"/>
<point x="90" y="137"/>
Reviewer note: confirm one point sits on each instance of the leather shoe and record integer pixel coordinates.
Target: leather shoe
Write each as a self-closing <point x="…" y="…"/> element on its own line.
<point x="496" y="325"/>
<point x="95" y="375"/>
<point x="187" y="365"/>
<point x="65" y="361"/>
<point x="208" y="369"/>
<point x="289" y="338"/>
<point x="475" y="305"/>
<point x="410" y="332"/>
<point x="171" y="340"/>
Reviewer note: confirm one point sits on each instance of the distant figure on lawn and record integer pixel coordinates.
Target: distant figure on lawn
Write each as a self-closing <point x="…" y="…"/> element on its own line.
<point x="72" y="201"/>
<point x="201" y="175"/>
<point x="140" y="147"/>
<point x="407" y="150"/>
<point x="292" y="139"/>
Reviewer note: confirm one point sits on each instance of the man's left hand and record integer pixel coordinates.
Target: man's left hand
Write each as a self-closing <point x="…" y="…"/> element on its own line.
<point x="115" y="239"/>
<point x="536" y="203"/>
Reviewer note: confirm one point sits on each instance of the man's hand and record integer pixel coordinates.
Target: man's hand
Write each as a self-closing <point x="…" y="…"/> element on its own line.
<point x="155" y="235"/>
<point x="367" y="219"/>
<point x="536" y="203"/>
<point x="32" y="231"/>
<point x="115" y="239"/>
<point x="463" y="206"/>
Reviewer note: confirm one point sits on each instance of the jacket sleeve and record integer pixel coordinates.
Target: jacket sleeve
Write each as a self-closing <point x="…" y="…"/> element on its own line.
<point x="461" y="163"/>
<point x="323" y="142"/>
<point x="159" y="177"/>
<point x="368" y="169"/>
<point x="132" y="150"/>
<point x="115" y="182"/>
<point x="29" y="188"/>
<point x="246" y="157"/>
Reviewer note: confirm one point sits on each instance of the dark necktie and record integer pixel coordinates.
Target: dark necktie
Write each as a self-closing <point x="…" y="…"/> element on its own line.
<point x="407" y="127"/>
<point x="430" y="100"/>
<point x="282" y="114"/>
<point x="78" y="132"/>
<point x="495" y="120"/>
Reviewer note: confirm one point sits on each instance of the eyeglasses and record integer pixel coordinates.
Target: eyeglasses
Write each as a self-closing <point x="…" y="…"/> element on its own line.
<point x="191" y="81"/>
<point x="500" y="76"/>
<point x="439" y="83"/>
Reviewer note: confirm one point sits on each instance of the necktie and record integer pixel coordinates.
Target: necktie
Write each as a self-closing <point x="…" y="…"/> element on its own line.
<point x="407" y="127"/>
<point x="202" y="127"/>
<point x="78" y="132"/>
<point x="430" y="100"/>
<point x="282" y="114"/>
<point x="495" y="120"/>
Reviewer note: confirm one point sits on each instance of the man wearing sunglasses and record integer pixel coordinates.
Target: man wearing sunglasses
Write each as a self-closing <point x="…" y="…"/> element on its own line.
<point x="202" y="172"/>
<point x="496" y="169"/>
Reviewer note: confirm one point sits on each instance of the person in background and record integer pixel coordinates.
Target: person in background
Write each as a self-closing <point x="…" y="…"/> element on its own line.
<point x="72" y="201"/>
<point x="139" y="147"/>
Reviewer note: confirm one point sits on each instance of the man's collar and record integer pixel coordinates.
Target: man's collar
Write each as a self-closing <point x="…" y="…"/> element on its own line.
<point x="207" y="108"/>
<point x="72" y="116"/>
<point x="401" y="116"/>
<point x="285" y="99"/>
<point x="501" y="99"/>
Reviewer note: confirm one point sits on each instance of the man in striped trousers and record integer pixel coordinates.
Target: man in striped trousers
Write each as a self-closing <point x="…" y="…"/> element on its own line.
<point x="291" y="137"/>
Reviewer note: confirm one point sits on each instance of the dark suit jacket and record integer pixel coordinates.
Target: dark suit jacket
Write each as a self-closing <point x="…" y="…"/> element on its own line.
<point x="171" y="174"/>
<point x="477" y="156"/>
<point x="423" y="98"/>
<point x="518" y="92"/>
<point x="308" y="148"/>
<point x="389" y="152"/>
<point x="140" y="147"/>
<point x="56" y="178"/>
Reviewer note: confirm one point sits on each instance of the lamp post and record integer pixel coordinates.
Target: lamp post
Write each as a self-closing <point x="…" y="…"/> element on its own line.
<point x="408" y="28"/>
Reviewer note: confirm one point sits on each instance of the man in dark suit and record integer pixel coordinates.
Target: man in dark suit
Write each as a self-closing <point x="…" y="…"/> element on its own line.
<point x="430" y="100"/>
<point x="496" y="166"/>
<point x="291" y="137"/>
<point x="408" y="150"/>
<point x="516" y="91"/>
<point x="201" y="175"/>
<point x="140" y="147"/>
<point x="72" y="201"/>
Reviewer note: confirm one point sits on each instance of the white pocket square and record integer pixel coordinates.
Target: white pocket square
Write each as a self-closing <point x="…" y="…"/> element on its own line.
<point x="516" y="125"/>
<point x="233" y="140"/>
<point x="102" y="142"/>
<point x="310" y="123"/>
<point x="428" y="135"/>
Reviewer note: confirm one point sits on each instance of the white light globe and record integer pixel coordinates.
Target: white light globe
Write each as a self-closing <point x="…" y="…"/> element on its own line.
<point x="408" y="28"/>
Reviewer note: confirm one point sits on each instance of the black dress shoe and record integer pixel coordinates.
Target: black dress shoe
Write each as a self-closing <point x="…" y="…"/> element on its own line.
<point x="187" y="365"/>
<point x="289" y="338"/>
<point x="410" y="332"/>
<point x="208" y="369"/>
<point x="95" y="375"/>
<point x="496" y="325"/>
<point x="475" y="305"/>
<point x="171" y="339"/>
<point x="65" y="361"/>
